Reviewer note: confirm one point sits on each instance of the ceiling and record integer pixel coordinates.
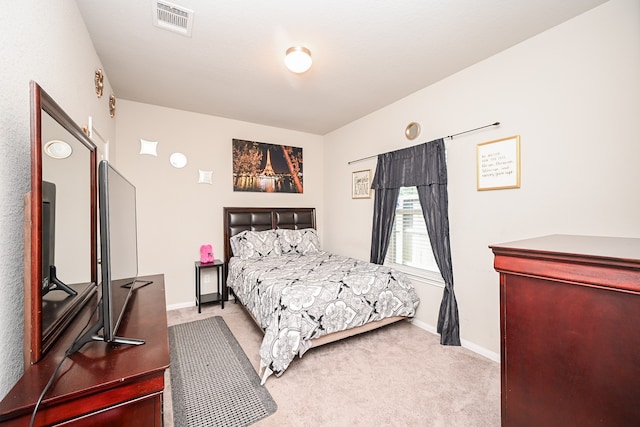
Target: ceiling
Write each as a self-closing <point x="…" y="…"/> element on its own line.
<point x="366" y="53"/>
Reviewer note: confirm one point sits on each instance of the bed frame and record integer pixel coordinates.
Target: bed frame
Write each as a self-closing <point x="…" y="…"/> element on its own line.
<point x="237" y="220"/>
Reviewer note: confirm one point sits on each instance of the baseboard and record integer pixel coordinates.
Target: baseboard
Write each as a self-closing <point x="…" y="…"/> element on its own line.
<point x="180" y="305"/>
<point x="191" y="304"/>
<point x="466" y="344"/>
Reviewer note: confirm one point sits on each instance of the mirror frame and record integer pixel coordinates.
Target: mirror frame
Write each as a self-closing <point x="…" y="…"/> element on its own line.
<point x="38" y="341"/>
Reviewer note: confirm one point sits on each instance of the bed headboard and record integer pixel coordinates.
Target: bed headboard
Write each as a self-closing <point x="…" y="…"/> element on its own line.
<point x="237" y="220"/>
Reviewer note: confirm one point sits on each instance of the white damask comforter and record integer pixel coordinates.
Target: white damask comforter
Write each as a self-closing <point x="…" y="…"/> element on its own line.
<point x="296" y="298"/>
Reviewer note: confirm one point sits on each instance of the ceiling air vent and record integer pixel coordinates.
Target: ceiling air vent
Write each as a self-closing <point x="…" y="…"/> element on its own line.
<point x="172" y="17"/>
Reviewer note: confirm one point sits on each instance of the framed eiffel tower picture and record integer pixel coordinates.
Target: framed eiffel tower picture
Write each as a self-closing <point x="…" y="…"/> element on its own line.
<point x="266" y="168"/>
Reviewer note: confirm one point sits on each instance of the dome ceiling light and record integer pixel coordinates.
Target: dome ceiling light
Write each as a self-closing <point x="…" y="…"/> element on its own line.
<point x="58" y="149"/>
<point x="298" y="59"/>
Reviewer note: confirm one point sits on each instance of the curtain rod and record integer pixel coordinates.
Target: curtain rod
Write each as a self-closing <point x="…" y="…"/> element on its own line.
<point x="448" y="136"/>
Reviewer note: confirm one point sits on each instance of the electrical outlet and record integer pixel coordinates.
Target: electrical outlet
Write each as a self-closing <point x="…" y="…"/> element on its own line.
<point x="207" y="278"/>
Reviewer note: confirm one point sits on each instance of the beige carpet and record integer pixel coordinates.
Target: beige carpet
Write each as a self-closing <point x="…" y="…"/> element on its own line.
<point x="395" y="376"/>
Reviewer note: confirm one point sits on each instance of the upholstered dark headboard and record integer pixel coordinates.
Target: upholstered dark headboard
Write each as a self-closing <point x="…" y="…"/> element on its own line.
<point x="237" y="220"/>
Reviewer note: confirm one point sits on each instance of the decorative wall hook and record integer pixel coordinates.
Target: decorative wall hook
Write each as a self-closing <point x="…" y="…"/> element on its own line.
<point x="112" y="105"/>
<point x="99" y="82"/>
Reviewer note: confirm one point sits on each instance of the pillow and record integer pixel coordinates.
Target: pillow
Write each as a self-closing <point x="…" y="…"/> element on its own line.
<point x="302" y="242"/>
<point x="255" y="244"/>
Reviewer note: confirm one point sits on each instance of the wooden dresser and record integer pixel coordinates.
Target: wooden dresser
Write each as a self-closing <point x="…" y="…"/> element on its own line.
<point x="570" y="330"/>
<point x="102" y="384"/>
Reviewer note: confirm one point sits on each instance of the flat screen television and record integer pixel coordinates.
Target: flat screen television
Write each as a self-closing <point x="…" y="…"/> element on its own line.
<point x="50" y="280"/>
<point x="118" y="253"/>
<point x="48" y="232"/>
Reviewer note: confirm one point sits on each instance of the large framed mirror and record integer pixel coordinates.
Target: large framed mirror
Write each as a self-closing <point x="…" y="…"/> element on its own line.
<point x="60" y="226"/>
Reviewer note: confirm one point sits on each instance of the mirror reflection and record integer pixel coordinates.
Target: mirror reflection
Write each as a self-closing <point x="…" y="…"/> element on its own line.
<point x="66" y="220"/>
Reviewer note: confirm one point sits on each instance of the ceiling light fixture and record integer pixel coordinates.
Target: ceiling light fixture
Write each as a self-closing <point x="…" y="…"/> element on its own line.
<point x="58" y="149"/>
<point x="298" y="59"/>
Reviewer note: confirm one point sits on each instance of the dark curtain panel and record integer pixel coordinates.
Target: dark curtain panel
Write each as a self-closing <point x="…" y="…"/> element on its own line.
<point x="434" y="201"/>
<point x="384" y="212"/>
<point x="423" y="166"/>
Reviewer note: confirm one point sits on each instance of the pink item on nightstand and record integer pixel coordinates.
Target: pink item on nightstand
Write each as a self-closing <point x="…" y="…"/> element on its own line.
<point x="206" y="254"/>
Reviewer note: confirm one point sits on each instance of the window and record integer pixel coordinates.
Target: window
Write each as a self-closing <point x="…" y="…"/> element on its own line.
<point x="409" y="246"/>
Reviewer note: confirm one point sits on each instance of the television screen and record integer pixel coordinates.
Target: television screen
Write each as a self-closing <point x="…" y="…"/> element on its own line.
<point x="118" y="252"/>
<point x="48" y="231"/>
<point x="50" y="280"/>
<point x="118" y="244"/>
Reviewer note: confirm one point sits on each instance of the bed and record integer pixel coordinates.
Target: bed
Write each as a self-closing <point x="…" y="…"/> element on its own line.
<point x="299" y="295"/>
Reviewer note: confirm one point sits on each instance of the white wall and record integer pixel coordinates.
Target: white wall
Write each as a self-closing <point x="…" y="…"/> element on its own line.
<point x="48" y="43"/>
<point x="176" y="214"/>
<point x="572" y="94"/>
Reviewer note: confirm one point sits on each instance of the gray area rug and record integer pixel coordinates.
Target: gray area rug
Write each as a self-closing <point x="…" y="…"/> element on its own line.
<point x="212" y="381"/>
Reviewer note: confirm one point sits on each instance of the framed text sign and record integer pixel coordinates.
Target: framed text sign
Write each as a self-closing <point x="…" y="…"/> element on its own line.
<point x="361" y="184"/>
<point x="498" y="164"/>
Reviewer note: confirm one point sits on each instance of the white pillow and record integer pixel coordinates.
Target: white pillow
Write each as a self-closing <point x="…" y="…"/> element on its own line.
<point x="255" y="244"/>
<point x="302" y="242"/>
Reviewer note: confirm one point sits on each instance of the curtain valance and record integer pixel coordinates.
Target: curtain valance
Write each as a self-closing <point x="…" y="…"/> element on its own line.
<point x="419" y="165"/>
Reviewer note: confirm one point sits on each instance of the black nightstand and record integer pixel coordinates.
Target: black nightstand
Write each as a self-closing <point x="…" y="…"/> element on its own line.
<point x="215" y="296"/>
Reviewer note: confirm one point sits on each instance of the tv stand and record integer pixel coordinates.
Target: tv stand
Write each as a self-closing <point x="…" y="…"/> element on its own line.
<point x="109" y="384"/>
<point x="55" y="284"/>
<point x="128" y="341"/>
<point x="142" y="284"/>
<point x="92" y="335"/>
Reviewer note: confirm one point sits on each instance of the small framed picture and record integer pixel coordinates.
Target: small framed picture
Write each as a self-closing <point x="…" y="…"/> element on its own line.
<point x="361" y="184"/>
<point x="498" y="164"/>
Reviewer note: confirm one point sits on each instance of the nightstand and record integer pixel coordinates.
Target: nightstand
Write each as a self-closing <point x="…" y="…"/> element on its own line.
<point x="215" y="296"/>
